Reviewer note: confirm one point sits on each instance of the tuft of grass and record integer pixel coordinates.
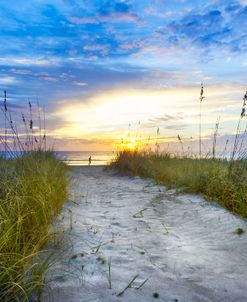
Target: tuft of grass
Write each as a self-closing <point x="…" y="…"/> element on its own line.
<point x="218" y="179"/>
<point x="33" y="189"/>
<point x="156" y="295"/>
<point x="240" y="231"/>
<point x="109" y="277"/>
<point x="101" y="260"/>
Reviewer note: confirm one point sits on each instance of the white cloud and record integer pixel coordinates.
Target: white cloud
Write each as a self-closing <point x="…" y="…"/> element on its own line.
<point x="7" y="80"/>
<point x="12" y="61"/>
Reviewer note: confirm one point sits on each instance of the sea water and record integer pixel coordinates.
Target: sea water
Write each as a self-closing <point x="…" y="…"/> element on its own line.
<point x="75" y="158"/>
<point x="81" y="158"/>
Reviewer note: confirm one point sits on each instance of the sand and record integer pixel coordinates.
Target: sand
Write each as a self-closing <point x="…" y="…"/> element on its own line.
<point x="177" y="247"/>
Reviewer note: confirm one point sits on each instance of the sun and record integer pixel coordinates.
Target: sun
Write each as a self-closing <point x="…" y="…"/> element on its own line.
<point x="130" y="144"/>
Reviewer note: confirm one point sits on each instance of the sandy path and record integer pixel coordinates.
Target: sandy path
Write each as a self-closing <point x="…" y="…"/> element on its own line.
<point x="187" y="248"/>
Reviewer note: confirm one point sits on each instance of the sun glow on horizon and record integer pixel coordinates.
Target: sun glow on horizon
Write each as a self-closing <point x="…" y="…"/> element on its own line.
<point x="129" y="144"/>
<point x="105" y="117"/>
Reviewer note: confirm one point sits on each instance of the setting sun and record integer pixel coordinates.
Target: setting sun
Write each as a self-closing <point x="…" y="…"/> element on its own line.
<point x="129" y="144"/>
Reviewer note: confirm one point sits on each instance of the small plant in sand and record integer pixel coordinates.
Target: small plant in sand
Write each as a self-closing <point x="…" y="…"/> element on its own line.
<point x="109" y="277"/>
<point x="240" y="231"/>
<point x="156" y="295"/>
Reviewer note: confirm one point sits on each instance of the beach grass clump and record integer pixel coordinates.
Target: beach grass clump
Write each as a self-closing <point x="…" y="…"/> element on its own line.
<point x="156" y="295"/>
<point x="240" y="231"/>
<point x="220" y="180"/>
<point x="33" y="188"/>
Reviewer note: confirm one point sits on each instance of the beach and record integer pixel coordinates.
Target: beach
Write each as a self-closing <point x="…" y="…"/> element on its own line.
<point x="127" y="239"/>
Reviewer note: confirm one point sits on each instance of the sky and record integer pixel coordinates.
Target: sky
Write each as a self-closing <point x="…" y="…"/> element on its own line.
<point x="106" y="70"/>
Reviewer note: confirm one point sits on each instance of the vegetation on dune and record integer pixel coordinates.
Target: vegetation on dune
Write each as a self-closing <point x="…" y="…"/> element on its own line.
<point x="217" y="179"/>
<point x="33" y="188"/>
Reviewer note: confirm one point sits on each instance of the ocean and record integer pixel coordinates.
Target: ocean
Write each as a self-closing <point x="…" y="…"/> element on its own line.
<point x="81" y="158"/>
<point x="76" y="158"/>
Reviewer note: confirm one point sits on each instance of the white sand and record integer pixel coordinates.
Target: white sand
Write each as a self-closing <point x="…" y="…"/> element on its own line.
<point x="187" y="248"/>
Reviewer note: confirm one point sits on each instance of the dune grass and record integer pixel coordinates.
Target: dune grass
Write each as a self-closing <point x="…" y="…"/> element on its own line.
<point x="33" y="189"/>
<point x="217" y="179"/>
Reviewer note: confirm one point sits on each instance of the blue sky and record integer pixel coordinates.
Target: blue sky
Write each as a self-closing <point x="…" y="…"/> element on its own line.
<point x="81" y="57"/>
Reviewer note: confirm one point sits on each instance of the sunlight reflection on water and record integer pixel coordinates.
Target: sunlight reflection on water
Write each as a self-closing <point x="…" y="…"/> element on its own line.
<point x="81" y="158"/>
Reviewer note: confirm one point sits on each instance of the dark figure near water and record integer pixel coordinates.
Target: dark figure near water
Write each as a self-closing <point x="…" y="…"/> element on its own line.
<point x="90" y="160"/>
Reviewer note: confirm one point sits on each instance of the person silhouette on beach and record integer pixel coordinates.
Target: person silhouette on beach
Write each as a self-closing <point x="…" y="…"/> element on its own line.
<point x="89" y="160"/>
